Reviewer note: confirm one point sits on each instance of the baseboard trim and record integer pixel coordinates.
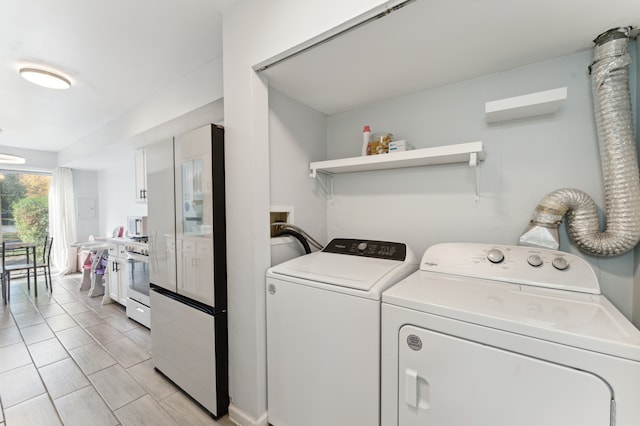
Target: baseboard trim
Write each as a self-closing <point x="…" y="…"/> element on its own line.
<point x="241" y="418"/>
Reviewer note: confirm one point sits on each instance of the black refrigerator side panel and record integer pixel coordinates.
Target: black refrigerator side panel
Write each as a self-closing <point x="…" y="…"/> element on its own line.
<point x="219" y="218"/>
<point x="222" y="363"/>
<point x="220" y="267"/>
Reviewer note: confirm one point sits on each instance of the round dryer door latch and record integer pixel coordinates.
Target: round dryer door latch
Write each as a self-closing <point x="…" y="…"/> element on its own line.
<point x="414" y="342"/>
<point x="271" y="288"/>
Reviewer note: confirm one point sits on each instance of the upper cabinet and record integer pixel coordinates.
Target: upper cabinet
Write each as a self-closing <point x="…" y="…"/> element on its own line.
<point x="141" y="176"/>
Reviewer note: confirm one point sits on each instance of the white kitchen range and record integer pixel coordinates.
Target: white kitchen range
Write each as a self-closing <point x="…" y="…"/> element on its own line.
<point x="138" y="285"/>
<point x="491" y="335"/>
<point x="127" y="276"/>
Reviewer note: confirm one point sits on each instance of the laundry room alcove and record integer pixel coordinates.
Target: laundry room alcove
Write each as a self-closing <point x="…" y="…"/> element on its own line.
<point x="392" y="74"/>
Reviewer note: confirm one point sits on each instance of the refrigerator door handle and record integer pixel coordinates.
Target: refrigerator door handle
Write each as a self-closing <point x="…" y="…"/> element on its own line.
<point x="209" y="310"/>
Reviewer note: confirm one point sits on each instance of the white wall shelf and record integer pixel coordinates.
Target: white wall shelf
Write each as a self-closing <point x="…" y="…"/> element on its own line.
<point x="531" y="105"/>
<point x="470" y="153"/>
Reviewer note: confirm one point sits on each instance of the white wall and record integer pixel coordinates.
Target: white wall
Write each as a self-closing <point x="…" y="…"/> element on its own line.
<point x="35" y="161"/>
<point x="85" y="188"/>
<point x="116" y="196"/>
<point x="297" y="136"/>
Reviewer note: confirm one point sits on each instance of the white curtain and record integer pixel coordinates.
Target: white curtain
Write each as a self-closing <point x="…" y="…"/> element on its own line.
<point x="62" y="220"/>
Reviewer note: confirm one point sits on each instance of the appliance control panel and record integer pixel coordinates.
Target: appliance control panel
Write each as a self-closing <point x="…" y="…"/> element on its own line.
<point x="367" y="248"/>
<point x="513" y="264"/>
<point x="137" y="247"/>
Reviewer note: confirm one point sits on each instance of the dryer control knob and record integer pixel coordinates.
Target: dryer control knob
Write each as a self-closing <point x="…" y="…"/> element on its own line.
<point x="362" y="246"/>
<point x="534" y="260"/>
<point x="560" y="263"/>
<point x="495" y="256"/>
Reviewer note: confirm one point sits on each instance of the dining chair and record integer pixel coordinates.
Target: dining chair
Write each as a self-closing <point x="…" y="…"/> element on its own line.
<point x="45" y="263"/>
<point x="8" y="268"/>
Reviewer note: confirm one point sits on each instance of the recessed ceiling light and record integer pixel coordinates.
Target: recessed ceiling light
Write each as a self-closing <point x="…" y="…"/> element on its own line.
<point x="45" y="78"/>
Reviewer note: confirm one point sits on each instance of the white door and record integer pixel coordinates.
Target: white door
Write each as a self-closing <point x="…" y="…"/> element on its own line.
<point x="445" y="380"/>
<point x="123" y="280"/>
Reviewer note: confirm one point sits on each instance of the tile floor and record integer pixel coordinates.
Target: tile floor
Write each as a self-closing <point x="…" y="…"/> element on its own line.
<point x="65" y="358"/>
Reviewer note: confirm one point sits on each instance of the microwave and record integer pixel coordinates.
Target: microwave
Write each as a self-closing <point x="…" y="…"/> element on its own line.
<point x="137" y="227"/>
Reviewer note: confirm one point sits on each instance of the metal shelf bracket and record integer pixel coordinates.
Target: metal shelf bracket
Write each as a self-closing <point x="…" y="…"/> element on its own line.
<point x="473" y="162"/>
<point x="327" y="187"/>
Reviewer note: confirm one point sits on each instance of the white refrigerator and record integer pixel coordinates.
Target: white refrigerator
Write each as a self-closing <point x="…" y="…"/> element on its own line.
<point x="187" y="249"/>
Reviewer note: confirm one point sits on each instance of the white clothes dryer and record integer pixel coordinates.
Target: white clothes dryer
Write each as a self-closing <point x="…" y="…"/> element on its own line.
<point x="323" y="332"/>
<point x="489" y="335"/>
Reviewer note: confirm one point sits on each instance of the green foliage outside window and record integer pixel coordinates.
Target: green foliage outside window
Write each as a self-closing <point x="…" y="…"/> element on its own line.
<point x="32" y="219"/>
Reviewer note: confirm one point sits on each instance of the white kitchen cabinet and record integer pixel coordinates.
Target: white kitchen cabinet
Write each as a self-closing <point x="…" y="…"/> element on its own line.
<point x="117" y="274"/>
<point x="141" y="176"/>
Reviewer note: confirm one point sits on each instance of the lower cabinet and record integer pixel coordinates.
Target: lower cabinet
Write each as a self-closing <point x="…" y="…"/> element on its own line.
<point x="117" y="274"/>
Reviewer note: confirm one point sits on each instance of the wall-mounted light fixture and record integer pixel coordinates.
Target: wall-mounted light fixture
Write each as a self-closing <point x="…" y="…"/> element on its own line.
<point x="45" y="78"/>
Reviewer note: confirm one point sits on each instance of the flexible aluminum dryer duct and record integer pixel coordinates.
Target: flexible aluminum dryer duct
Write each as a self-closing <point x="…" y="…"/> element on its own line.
<point x="610" y="87"/>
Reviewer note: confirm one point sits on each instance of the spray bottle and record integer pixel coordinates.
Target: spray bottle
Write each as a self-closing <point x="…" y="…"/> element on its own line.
<point x="366" y="135"/>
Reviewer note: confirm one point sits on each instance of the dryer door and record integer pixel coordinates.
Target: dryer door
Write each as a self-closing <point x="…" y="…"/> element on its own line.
<point x="445" y="380"/>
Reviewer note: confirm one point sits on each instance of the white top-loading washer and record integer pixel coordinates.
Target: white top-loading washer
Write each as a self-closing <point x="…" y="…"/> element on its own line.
<point x="503" y="335"/>
<point x="323" y="332"/>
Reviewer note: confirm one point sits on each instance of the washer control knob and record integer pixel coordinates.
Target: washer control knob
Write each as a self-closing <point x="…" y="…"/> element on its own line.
<point x="534" y="260"/>
<point x="362" y="246"/>
<point x="495" y="256"/>
<point x="560" y="263"/>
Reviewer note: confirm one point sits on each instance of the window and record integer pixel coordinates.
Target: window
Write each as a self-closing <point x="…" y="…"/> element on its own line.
<point x="24" y="206"/>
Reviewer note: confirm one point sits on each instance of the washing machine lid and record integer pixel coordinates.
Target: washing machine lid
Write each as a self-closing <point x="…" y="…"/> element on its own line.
<point x="359" y="273"/>
<point x="363" y="265"/>
<point x="576" y="319"/>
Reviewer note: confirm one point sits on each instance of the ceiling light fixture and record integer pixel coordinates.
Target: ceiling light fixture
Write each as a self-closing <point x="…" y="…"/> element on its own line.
<point x="45" y="78"/>
<point x="11" y="159"/>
